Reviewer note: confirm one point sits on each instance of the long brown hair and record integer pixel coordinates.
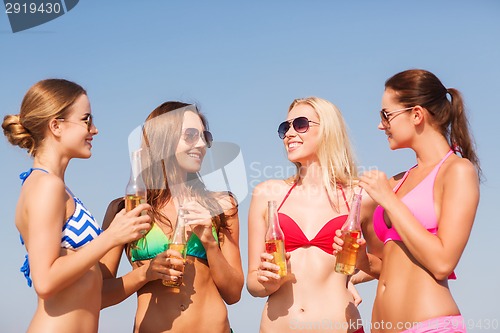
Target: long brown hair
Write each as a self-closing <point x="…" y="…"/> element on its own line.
<point x="162" y="131"/>
<point x="421" y="87"/>
<point x="45" y="100"/>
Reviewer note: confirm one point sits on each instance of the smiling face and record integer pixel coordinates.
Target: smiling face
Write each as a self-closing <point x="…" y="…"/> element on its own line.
<point x="78" y="129"/>
<point x="302" y="147"/>
<point x="190" y="153"/>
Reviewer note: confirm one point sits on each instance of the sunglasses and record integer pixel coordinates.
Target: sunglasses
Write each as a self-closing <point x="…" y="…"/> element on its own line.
<point x="192" y="135"/>
<point x="300" y="125"/>
<point x="88" y="121"/>
<point x="384" y="116"/>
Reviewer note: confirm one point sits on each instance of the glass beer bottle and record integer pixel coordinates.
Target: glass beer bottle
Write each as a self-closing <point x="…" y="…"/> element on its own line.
<point x="275" y="239"/>
<point x="351" y="232"/>
<point x="178" y="243"/>
<point x="135" y="192"/>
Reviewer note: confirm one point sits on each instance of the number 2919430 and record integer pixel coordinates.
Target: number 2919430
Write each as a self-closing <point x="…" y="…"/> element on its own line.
<point x="32" y="8"/>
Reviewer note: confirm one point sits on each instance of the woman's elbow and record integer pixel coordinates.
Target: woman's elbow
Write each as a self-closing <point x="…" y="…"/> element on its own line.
<point x="234" y="295"/>
<point x="233" y="298"/>
<point x="256" y="291"/>
<point x="442" y="272"/>
<point x="45" y="290"/>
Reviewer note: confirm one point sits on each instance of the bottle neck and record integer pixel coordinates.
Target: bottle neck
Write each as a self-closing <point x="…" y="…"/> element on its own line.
<point x="353" y="220"/>
<point x="274" y="231"/>
<point x="180" y="229"/>
<point x="136" y="167"/>
<point x="136" y="184"/>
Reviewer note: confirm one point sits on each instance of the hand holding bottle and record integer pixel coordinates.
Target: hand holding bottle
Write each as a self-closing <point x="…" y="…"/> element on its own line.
<point x="350" y="233"/>
<point x="267" y="265"/>
<point x="275" y="240"/>
<point x="167" y="266"/>
<point x="129" y="226"/>
<point x="268" y="273"/>
<point x="362" y="257"/>
<point x="176" y="249"/>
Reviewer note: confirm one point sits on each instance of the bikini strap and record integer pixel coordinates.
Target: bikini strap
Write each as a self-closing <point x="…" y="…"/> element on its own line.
<point x="25" y="268"/>
<point x="345" y="199"/>
<point x="438" y="166"/>
<point x="400" y="183"/>
<point x="444" y="158"/>
<point x="286" y="196"/>
<point x="434" y="170"/>
<point x="294" y="184"/>
<point x="69" y="191"/>
<point x="24" y="175"/>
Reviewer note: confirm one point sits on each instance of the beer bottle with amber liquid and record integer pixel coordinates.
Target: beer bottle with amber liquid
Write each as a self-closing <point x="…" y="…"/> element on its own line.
<point x="178" y="243"/>
<point x="135" y="192"/>
<point x="351" y="232"/>
<point x="275" y="239"/>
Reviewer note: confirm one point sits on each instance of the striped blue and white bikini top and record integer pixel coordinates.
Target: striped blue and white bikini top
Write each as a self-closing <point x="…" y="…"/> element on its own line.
<point x="78" y="230"/>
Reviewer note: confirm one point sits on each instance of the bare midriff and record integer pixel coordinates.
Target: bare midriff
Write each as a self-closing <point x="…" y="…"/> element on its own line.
<point x="315" y="298"/>
<point x="407" y="293"/>
<point x="194" y="307"/>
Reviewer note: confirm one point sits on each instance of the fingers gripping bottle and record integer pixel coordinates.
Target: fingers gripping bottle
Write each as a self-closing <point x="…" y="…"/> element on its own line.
<point x="275" y="239"/>
<point x="135" y="192"/>
<point x="351" y="232"/>
<point x="178" y="243"/>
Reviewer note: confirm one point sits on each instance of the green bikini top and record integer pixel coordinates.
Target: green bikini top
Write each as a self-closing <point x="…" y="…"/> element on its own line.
<point x="155" y="242"/>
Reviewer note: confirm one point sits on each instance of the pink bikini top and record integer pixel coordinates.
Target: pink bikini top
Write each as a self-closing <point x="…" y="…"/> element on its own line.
<point x="420" y="201"/>
<point x="295" y="237"/>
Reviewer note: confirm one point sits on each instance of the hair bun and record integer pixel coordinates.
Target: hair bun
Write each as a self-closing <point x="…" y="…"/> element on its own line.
<point x="16" y="133"/>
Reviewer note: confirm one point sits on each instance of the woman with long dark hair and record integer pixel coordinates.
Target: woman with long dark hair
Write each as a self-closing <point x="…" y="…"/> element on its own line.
<point x="175" y="140"/>
<point x="425" y="215"/>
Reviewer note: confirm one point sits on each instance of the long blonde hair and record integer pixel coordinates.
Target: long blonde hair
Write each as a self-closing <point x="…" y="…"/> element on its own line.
<point x="335" y="154"/>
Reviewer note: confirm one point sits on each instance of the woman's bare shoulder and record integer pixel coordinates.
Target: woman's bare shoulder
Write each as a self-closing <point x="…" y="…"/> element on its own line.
<point x="460" y="167"/>
<point x="227" y="200"/>
<point x="273" y="186"/>
<point x="43" y="191"/>
<point x="45" y="182"/>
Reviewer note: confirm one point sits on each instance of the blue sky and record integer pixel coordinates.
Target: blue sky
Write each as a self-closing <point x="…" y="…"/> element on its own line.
<point x="243" y="64"/>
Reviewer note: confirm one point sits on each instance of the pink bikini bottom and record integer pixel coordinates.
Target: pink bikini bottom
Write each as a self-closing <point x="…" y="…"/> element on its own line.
<point x="445" y="324"/>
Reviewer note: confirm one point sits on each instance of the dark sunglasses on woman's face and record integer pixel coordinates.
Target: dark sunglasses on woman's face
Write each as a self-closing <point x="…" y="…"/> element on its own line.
<point x="300" y="125"/>
<point x="192" y="135"/>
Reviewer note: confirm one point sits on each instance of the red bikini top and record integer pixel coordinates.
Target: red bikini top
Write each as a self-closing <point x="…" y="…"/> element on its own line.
<point x="295" y="237"/>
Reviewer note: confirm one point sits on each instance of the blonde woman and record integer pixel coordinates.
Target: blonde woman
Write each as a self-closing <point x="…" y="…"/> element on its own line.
<point x="312" y="205"/>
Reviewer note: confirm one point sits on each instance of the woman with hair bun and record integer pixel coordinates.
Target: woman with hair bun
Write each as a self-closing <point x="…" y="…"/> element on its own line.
<point x="62" y="238"/>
